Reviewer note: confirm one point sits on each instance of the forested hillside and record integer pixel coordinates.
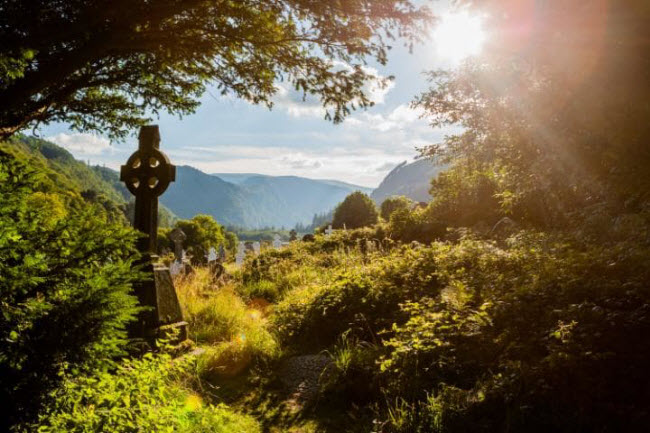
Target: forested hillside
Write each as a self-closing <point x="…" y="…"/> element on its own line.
<point x="94" y="183"/>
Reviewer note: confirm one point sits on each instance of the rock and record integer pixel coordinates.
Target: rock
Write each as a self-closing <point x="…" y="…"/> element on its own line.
<point x="301" y="376"/>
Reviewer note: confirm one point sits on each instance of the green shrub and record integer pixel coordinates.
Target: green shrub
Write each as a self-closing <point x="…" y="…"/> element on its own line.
<point x="357" y="210"/>
<point x="65" y="281"/>
<point x="142" y="395"/>
<point x="544" y="334"/>
<point x="391" y="204"/>
<point x="419" y="225"/>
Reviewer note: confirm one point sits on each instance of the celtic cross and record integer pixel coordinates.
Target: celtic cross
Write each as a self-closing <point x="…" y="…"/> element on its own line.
<point x="147" y="175"/>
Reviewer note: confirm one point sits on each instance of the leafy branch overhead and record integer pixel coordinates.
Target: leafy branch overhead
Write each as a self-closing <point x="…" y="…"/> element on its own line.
<point x="107" y="65"/>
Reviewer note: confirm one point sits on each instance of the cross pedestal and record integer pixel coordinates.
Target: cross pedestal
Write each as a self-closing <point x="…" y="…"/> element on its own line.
<point x="147" y="175"/>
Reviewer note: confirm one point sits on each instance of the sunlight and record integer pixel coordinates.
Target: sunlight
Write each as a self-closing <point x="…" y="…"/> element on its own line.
<point x="458" y="35"/>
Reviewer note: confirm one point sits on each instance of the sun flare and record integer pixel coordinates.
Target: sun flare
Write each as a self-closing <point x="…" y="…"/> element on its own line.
<point x="458" y="35"/>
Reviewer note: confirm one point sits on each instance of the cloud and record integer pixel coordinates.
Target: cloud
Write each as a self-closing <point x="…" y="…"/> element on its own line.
<point x="82" y="144"/>
<point x="301" y="163"/>
<point x="401" y="117"/>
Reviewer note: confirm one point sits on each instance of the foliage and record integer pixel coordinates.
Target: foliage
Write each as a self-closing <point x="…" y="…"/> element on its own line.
<point x="415" y="225"/>
<point x="65" y="281"/>
<point x="392" y="204"/>
<point x="474" y="358"/>
<point x="112" y="67"/>
<point x="539" y="332"/>
<point x="141" y="395"/>
<point x="553" y="125"/>
<point x="218" y="317"/>
<point x="202" y="233"/>
<point x="357" y="210"/>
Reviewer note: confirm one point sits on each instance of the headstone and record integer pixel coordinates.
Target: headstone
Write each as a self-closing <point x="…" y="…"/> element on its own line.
<point x="329" y="230"/>
<point x="147" y="175"/>
<point x="241" y="254"/>
<point x="178" y="236"/>
<point x="257" y="247"/>
<point x="222" y="253"/>
<point x="277" y="243"/>
<point x="175" y="268"/>
<point x="212" y="255"/>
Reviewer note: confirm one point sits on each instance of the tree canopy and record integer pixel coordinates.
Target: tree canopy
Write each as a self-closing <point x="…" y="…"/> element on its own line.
<point x="357" y="210"/>
<point x="108" y="65"/>
<point x="554" y="114"/>
<point x="393" y="203"/>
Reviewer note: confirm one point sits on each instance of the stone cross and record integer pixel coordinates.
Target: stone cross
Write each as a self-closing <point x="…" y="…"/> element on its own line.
<point x="177" y="236"/>
<point x="329" y="230"/>
<point x="147" y="175"/>
<point x="257" y="247"/>
<point x="222" y="253"/>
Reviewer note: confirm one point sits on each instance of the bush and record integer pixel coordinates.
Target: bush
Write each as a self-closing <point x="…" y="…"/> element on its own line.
<point x="357" y="210"/>
<point x="142" y="395"/>
<point x="391" y="204"/>
<point x="65" y="282"/>
<point x="545" y="334"/>
<point x="415" y="225"/>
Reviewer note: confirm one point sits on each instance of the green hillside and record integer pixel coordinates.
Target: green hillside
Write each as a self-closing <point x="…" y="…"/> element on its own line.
<point x="66" y="174"/>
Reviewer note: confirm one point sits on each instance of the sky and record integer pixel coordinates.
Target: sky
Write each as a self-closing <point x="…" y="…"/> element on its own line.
<point x="227" y="135"/>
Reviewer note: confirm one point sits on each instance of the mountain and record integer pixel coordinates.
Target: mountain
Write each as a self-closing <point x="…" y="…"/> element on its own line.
<point x="411" y="180"/>
<point x="253" y="200"/>
<point x="240" y="178"/>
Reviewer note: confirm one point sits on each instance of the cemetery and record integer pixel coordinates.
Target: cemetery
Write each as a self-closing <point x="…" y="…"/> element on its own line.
<point x="263" y="216"/>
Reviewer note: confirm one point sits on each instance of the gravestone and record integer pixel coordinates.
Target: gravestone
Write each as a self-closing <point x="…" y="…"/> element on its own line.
<point x="178" y="236"/>
<point x="212" y="255"/>
<point x="222" y="253"/>
<point x="257" y="247"/>
<point x="147" y="175"/>
<point x="329" y="230"/>
<point x="175" y="268"/>
<point x="277" y="243"/>
<point x="241" y="254"/>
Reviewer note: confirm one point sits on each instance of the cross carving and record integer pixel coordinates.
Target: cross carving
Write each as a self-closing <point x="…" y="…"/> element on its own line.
<point x="147" y="175"/>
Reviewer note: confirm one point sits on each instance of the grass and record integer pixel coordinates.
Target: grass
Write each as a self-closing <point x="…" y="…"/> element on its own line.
<point x="231" y="333"/>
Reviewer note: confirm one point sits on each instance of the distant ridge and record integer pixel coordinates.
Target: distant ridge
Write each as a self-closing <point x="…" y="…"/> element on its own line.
<point x="254" y="200"/>
<point x="411" y="180"/>
<point x="239" y="178"/>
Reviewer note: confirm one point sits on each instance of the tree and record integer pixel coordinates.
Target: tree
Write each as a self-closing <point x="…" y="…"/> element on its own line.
<point x="357" y="210"/>
<point x="203" y="233"/>
<point x="65" y="288"/>
<point x="554" y="112"/>
<point x="391" y="204"/>
<point x="107" y="65"/>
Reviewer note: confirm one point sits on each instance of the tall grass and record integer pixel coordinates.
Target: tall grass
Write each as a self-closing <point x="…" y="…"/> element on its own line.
<point x="231" y="333"/>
